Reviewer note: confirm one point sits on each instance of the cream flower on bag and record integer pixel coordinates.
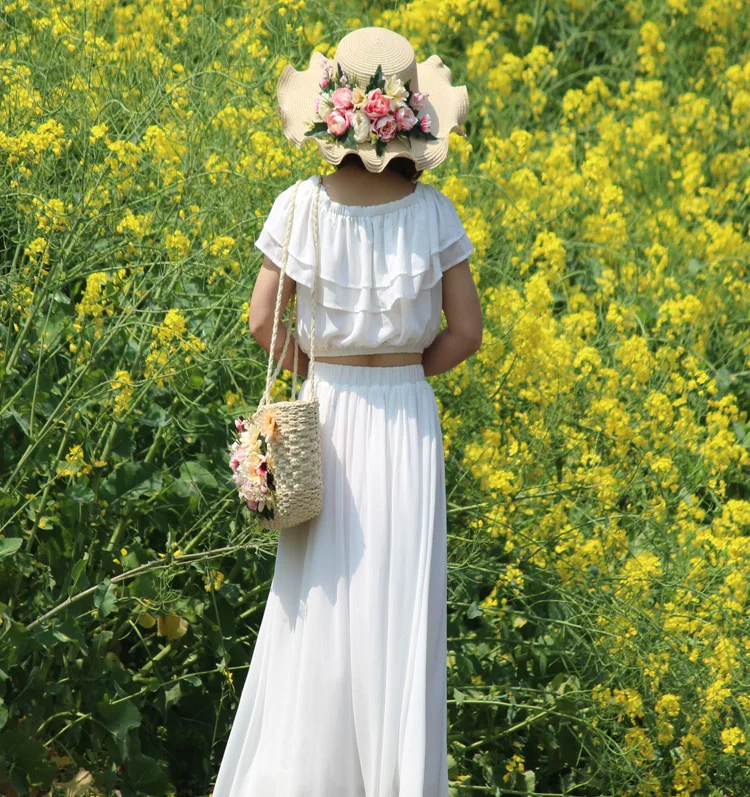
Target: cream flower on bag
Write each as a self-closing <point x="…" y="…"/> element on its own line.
<point x="249" y="438"/>
<point x="268" y="424"/>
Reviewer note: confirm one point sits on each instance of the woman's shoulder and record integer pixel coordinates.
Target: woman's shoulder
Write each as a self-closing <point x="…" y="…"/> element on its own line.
<point x="309" y="184"/>
<point x="414" y="239"/>
<point x="425" y="198"/>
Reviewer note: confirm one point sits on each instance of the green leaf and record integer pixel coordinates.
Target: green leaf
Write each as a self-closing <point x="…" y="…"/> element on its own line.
<point x="172" y="695"/>
<point x="80" y="493"/>
<point x="473" y="611"/>
<point x="194" y="478"/>
<point x="348" y="139"/>
<point x="118" y="719"/>
<point x="155" y="416"/>
<point x="376" y="80"/>
<point x="26" y="756"/>
<point x="9" y="545"/>
<point x="124" y="443"/>
<point x="77" y="570"/>
<point x="417" y="132"/>
<point x="145" y="776"/>
<point x="105" y="598"/>
<point x="724" y="380"/>
<point x="20" y="420"/>
<point x="132" y="479"/>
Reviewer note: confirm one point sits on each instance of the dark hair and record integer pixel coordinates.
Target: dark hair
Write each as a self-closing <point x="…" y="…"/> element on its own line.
<point x="404" y="166"/>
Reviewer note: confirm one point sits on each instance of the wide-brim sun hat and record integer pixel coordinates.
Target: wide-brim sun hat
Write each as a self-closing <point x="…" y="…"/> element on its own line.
<point x="358" y="56"/>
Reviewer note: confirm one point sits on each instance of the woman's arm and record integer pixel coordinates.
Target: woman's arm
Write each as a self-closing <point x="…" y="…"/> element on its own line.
<point x="463" y="312"/>
<point x="262" y="305"/>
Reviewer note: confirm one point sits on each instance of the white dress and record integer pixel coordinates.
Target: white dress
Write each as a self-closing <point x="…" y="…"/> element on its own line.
<point x="345" y="695"/>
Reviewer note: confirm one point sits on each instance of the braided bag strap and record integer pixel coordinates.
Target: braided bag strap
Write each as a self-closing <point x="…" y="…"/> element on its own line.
<point x="270" y="377"/>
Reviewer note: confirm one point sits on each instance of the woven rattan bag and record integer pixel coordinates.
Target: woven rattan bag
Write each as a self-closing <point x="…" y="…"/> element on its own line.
<point x="295" y="448"/>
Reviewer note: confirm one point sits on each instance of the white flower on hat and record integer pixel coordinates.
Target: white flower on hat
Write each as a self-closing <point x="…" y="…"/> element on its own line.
<point x="358" y="96"/>
<point x="361" y="127"/>
<point x="395" y="89"/>
<point x="323" y="104"/>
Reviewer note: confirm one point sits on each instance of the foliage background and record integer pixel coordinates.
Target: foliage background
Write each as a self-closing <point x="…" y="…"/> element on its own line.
<point x="597" y="444"/>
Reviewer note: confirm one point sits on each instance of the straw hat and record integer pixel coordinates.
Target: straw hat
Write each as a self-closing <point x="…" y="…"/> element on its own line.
<point x="443" y="110"/>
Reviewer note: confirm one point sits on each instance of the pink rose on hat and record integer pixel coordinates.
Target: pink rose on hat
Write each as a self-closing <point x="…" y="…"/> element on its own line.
<point x="342" y="98"/>
<point x="376" y="104"/>
<point x="405" y="117"/>
<point x="338" y="121"/>
<point x="385" y="127"/>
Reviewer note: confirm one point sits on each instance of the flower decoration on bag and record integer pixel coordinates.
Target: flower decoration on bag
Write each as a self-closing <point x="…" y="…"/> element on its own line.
<point x="384" y="111"/>
<point x="252" y="464"/>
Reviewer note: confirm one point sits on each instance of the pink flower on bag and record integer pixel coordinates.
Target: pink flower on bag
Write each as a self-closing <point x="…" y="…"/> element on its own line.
<point x="376" y="104"/>
<point x="342" y="98"/>
<point x="424" y="123"/>
<point x="385" y="127"/>
<point x="405" y="118"/>
<point x="252" y="467"/>
<point x="237" y="458"/>
<point x="338" y="121"/>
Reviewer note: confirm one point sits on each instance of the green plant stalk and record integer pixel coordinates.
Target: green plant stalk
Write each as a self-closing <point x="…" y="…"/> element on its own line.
<point x="137" y="571"/>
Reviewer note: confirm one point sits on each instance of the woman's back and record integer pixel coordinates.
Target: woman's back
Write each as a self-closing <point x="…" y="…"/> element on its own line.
<point x="380" y="264"/>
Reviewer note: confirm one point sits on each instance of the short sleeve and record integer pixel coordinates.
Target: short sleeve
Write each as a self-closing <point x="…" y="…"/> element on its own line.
<point x="301" y="256"/>
<point x="454" y="243"/>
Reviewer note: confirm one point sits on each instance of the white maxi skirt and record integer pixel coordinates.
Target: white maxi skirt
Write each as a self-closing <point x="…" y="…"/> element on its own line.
<point x="345" y="695"/>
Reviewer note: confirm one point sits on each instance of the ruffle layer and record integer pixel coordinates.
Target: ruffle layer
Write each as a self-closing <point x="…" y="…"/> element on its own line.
<point x="371" y="255"/>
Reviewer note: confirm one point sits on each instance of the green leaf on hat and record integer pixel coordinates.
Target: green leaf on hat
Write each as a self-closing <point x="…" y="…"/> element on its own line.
<point x="318" y="130"/>
<point x="376" y="81"/>
<point x="417" y="132"/>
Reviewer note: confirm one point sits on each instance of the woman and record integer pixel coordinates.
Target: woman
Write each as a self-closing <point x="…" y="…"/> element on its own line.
<point x="346" y="691"/>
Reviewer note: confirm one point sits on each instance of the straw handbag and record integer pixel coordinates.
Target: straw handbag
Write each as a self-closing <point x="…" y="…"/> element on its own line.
<point x="296" y="448"/>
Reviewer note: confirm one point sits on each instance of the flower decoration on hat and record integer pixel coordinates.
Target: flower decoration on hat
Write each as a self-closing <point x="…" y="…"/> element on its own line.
<point x="385" y="111"/>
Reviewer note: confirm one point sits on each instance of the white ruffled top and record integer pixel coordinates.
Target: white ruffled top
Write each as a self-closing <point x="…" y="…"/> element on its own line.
<point x="380" y="267"/>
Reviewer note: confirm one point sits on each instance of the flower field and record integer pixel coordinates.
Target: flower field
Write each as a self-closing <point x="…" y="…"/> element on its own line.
<point x="597" y="445"/>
